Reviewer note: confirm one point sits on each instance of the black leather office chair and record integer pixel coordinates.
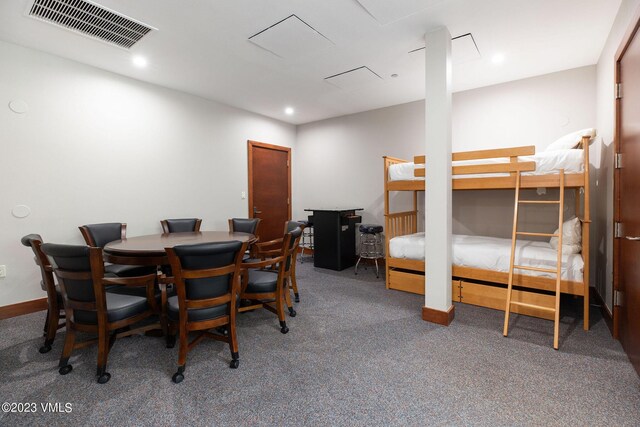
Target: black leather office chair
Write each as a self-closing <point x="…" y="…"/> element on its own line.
<point x="91" y="308"/>
<point x="273" y="248"/>
<point x="180" y="225"/>
<point x="264" y="287"/>
<point x="55" y="306"/>
<point x="293" y="283"/>
<point x="246" y="225"/>
<point x="207" y="280"/>
<point x="98" y="235"/>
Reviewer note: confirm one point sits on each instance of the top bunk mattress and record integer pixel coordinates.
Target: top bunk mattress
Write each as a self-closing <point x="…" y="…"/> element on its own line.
<point x="493" y="253"/>
<point x="547" y="162"/>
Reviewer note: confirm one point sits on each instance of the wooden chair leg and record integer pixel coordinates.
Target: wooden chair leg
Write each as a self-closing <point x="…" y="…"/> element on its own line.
<point x="171" y="335"/>
<point x="104" y="344"/>
<point x="294" y="283"/>
<point x="51" y="324"/>
<point x="46" y="323"/>
<point x="233" y="344"/>
<point x="69" y="342"/>
<point x="287" y="298"/>
<point x="164" y="318"/>
<point x="182" y="354"/>
<point x="280" y="300"/>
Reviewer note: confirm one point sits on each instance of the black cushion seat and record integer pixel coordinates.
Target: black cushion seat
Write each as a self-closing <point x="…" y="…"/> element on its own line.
<point x="262" y="281"/>
<point x="103" y="234"/>
<point x="370" y="228"/>
<point x="196" y="314"/>
<point x="119" y="307"/>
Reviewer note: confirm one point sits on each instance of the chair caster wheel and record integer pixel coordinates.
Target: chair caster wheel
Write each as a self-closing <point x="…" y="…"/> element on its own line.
<point x="234" y="364"/>
<point x="45" y="349"/>
<point x="104" y="378"/>
<point x="65" y="369"/>
<point x="292" y="312"/>
<point x="297" y="298"/>
<point x="284" y="329"/>
<point x="177" y="378"/>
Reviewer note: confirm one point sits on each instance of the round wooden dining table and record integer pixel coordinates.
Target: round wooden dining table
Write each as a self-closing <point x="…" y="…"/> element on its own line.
<point x="150" y="250"/>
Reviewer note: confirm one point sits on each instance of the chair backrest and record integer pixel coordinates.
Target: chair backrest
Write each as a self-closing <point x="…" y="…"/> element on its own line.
<point x="206" y="271"/>
<point x="181" y="225"/>
<point x="77" y="267"/>
<point x="34" y="241"/>
<point x="289" y="226"/>
<point x="98" y="235"/>
<point x="244" y="225"/>
<point x="290" y="246"/>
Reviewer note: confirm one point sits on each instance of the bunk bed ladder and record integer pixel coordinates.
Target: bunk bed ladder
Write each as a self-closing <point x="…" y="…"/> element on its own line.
<point x="557" y="271"/>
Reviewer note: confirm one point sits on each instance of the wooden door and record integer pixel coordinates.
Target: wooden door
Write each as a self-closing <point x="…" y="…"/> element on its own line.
<point x="627" y="202"/>
<point x="269" y="187"/>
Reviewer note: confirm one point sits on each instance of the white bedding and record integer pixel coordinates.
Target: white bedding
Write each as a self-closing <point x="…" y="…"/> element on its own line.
<point x="547" y="162"/>
<point x="492" y="253"/>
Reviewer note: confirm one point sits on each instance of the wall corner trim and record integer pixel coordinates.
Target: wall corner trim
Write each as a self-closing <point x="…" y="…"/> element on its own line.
<point x="604" y="310"/>
<point x="440" y="317"/>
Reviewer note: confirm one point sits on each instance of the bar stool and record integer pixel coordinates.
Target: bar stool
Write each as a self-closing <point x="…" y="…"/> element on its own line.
<point x="370" y="244"/>
<point x="306" y="242"/>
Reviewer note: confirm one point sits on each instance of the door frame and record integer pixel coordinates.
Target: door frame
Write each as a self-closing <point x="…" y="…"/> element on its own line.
<point x="250" y="145"/>
<point x="629" y="34"/>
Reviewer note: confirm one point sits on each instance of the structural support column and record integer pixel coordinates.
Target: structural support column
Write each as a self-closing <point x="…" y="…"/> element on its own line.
<point x="438" y="306"/>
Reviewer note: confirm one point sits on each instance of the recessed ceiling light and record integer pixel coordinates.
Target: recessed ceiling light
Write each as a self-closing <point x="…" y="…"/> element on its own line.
<point x="498" y="58"/>
<point x="140" y="61"/>
<point x="289" y="111"/>
<point x="394" y="75"/>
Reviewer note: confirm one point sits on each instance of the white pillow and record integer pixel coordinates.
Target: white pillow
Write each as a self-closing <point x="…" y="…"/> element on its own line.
<point x="570" y="141"/>
<point x="571" y="237"/>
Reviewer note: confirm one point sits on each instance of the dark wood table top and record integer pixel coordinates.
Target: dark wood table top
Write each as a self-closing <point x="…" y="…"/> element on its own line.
<point x="153" y="245"/>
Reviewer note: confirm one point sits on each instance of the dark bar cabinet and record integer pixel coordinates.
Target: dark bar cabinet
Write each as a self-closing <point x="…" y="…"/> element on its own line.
<point x="334" y="237"/>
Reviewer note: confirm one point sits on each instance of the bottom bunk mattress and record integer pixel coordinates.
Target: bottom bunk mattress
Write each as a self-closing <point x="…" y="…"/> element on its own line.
<point x="493" y="253"/>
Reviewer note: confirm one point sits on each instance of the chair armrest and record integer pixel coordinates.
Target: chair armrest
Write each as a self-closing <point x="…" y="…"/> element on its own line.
<point x="270" y="249"/>
<point x="269" y="243"/>
<point x="262" y="264"/>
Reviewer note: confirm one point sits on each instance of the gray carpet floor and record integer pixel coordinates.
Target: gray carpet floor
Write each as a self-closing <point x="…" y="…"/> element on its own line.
<point x="356" y="354"/>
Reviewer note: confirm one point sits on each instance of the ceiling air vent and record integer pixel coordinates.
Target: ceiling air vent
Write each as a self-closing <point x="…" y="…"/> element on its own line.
<point x="91" y="20"/>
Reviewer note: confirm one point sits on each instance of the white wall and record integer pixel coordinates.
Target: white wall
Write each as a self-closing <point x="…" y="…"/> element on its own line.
<point x="602" y="154"/>
<point x="98" y="147"/>
<point x="340" y="159"/>
<point x="534" y="111"/>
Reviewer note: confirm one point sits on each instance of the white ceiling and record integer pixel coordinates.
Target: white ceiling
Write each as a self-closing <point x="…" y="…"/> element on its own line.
<point x="202" y="47"/>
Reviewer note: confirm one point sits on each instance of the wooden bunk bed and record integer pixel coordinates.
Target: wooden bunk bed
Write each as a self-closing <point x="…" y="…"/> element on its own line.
<point x="479" y="286"/>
